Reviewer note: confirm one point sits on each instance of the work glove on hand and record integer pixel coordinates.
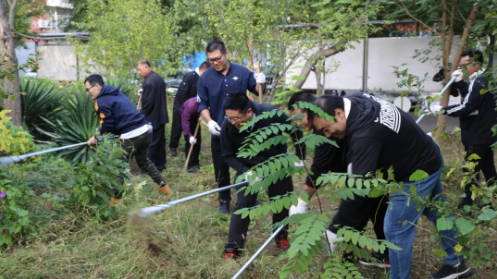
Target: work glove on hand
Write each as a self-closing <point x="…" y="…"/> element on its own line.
<point x="260" y="78"/>
<point x="251" y="174"/>
<point x="193" y="140"/>
<point x="434" y="108"/>
<point x="299" y="209"/>
<point x="214" y="128"/>
<point x="299" y="164"/>
<point x="458" y="74"/>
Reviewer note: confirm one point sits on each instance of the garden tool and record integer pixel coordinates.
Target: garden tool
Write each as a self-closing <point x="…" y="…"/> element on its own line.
<point x="440" y="94"/>
<point x="191" y="146"/>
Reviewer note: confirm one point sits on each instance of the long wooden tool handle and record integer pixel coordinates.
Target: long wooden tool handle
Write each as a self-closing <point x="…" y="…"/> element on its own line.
<point x="191" y="146"/>
<point x="259" y="86"/>
<point x="139" y="101"/>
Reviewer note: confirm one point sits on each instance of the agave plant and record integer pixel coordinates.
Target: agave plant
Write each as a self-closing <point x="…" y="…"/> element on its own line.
<point x="77" y="124"/>
<point x="40" y="100"/>
<point x="125" y="86"/>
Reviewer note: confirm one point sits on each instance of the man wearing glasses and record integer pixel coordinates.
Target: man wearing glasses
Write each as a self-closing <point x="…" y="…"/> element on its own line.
<point x="240" y="110"/>
<point x="477" y="116"/>
<point x="119" y="116"/>
<point x="213" y="86"/>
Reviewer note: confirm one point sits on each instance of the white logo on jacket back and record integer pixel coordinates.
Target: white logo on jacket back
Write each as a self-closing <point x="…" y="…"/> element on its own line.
<point x="389" y="114"/>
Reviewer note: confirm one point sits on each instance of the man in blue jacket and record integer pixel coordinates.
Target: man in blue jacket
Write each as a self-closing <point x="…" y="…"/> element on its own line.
<point x="119" y="116"/>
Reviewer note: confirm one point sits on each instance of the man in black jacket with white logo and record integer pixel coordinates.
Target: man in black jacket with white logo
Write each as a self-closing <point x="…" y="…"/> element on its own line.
<point x="239" y="110"/>
<point x="380" y="136"/>
<point x="477" y="116"/>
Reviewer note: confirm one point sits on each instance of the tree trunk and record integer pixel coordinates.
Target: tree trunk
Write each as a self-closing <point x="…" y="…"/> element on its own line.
<point x="7" y="49"/>
<point x="445" y="97"/>
<point x="312" y="62"/>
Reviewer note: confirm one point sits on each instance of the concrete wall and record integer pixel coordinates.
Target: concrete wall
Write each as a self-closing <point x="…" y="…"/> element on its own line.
<point x="57" y="62"/>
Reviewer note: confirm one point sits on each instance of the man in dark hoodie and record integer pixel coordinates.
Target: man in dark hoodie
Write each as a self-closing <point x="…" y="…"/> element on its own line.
<point x="187" y="89"/>
<point x="380" y="136"/>
<point x="477" y="116"/>
<point x="154" y="107"/>
<point x="239" y="110"/>
<point x="119" y="116"/>
<point x="352" y="213"/>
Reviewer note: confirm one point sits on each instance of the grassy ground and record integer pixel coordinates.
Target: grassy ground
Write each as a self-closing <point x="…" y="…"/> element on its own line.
<point x="185" y="241"/>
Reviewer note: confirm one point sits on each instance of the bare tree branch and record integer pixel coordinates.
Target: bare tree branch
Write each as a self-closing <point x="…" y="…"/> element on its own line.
<point x="12" y="13"/>
<point x="406" y="10"/>
<point x="451" y="34"/>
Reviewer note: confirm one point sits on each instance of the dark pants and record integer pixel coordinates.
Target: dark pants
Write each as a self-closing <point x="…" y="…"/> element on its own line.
<point x="176" y="129"/>
<point x="239" y="226"/>
<point x="356" y="213"/>
<point x="221" y="169"/>
<point x="137" y="148"/>
<point x="485" y="164"/>
<point x="157" y="148"/>
<point x="194" y="158"/>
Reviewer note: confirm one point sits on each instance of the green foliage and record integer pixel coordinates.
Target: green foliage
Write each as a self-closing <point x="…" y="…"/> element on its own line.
<point x="77" y="124"/>
<point x="14" y="201"/>
<point x="14" y="140"/>
<point x="41" y="100"/>
<point x="125" y="86"/>
<point x="96" y="179"/>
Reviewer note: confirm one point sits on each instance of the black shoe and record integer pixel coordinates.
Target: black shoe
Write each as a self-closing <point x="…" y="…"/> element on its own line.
<point x="224" y="207"/>
<point x="453" y="272"/>
<point x="192" y="170"/>
<point x="377" y="259"/>
<point x="173" y="152"/>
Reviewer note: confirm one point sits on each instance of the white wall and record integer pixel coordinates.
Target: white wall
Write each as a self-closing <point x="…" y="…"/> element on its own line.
<point x="57" y="62"/>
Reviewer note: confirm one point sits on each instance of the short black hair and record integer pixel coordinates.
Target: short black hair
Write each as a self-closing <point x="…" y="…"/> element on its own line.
<point x="329" y="103"/>
<point x="204" y="66"/>
<point x="300" y="96"/>
<point x="475" y="55"/>
<point x="95" y="79"/>
<point x="144" y="62"/>
<point x="237" y="101"/>
<point x="216" y="45"/>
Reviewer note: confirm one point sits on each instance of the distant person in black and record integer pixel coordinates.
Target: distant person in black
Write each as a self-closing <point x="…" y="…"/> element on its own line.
<point x="187" y="89"/>
<point x="477" y="116"/>
<point x="239" y="110"/>
<point x="154" y="107"/>
<point x="328" y="158"/>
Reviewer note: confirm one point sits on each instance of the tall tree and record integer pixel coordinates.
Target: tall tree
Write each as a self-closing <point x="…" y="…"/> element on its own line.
<point x="9" y="60"/>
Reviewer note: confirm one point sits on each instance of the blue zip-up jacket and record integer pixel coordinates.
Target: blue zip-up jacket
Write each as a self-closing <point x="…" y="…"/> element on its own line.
<point x="212" y="88"/>
<point x="118" y="115"/>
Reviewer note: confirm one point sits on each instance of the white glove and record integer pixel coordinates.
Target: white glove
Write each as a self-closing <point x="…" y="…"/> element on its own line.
<point x="299" y="209"/>
<point x="332" y="238"/>
<point x="299" y="164"/>
<point x="214" y="128"/>
<point x="249" y="174"/>
<point x="193" y="140"/>
<point x="458" y="74"/>
<point x="260" y="78"/>
<point x="434" y="108"/>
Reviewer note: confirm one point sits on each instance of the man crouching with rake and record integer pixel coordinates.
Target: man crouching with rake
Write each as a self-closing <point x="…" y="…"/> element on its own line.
<point x="240" y="110"/>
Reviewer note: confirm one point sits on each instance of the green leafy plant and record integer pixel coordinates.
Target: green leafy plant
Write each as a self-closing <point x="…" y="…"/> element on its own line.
<point x="41" y="100"/>
<point x="14" y="140"/>
<point x="14" y="216"/>
<point x="96" y="179"/>
<point x="125" y="86"/>
<point x="77" y="124"/>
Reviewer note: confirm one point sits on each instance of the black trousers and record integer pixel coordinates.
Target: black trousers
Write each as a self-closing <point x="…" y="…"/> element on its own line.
<point x="239" y="227"/>
<point x="356" y="213"/>
<point x="485" y="164"/>
<point x="157" y="148"/>
<point x="221" y="169"/>
<point x="137" y="148"/>
<point x="176" y="129"/>
<point x="194" y="158"/>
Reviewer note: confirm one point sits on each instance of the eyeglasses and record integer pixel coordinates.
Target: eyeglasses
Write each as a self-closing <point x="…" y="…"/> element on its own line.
<point x="88" y="89"/>
<point x="235" y="119"/>
<point x="216" y="60"/>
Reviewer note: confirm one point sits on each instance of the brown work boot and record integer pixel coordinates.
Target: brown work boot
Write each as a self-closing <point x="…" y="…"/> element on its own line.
<point x="164" y="189"/>
<point x="115" y="202"/>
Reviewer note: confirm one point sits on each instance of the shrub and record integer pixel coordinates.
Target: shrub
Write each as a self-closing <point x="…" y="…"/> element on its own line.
<point x="14" y="140"/>
<point x="42" y="100"/>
